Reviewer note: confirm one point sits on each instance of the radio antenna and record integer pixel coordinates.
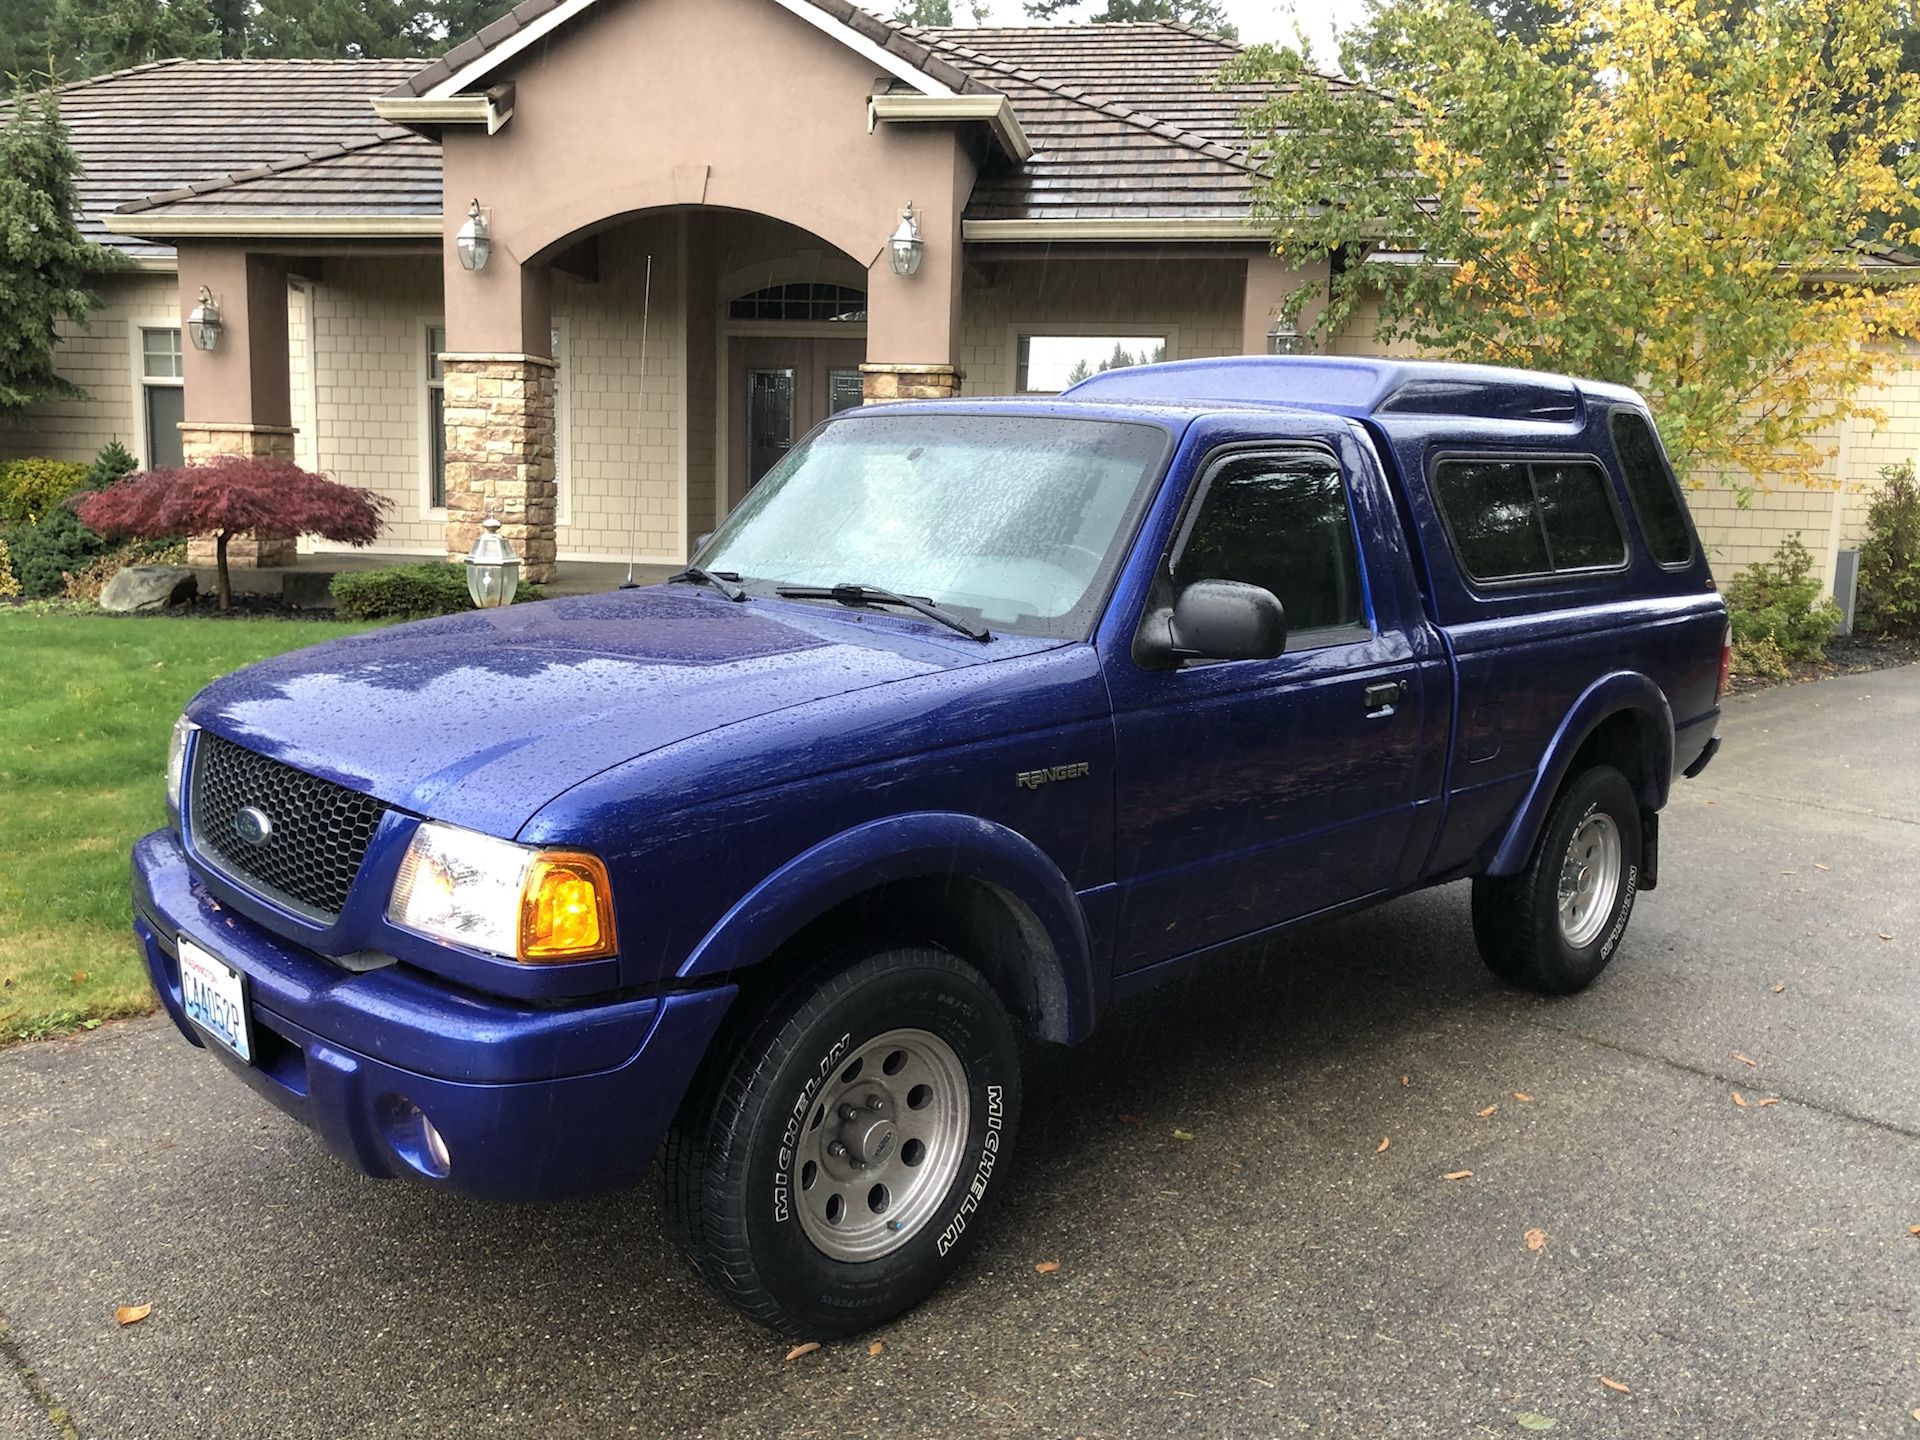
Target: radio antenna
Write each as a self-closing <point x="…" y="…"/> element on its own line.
<point x="633" y="515"/>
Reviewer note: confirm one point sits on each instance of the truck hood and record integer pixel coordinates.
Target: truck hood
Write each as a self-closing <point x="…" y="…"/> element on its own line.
<point x="480" y="719"/>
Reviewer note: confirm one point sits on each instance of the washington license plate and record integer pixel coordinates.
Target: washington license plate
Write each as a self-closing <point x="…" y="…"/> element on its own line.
<point x="215" y="999"/>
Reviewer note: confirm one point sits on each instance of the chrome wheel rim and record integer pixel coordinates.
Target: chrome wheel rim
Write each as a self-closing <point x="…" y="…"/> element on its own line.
<point x="881" y="1145"/>
<point x="1589" y="879"/>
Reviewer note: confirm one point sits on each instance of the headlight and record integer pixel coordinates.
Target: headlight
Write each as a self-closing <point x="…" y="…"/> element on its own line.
<point x="177" y="759"/>
<point x="536" y="906"/>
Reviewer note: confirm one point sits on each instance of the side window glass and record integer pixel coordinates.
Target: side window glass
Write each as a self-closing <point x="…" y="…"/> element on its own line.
<point x="1582" y="530"/>
<point x="1650" y="483"/>
<point x="1280" y="522"/>
<point x="1490" y="510"/>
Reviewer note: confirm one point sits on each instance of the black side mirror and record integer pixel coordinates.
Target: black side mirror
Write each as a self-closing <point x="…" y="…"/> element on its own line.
<point x="1227" y="620"/>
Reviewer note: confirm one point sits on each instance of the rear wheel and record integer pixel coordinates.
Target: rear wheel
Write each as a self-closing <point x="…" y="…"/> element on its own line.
<point x="836" y="1165"/>
<point x="1555" y="925"/>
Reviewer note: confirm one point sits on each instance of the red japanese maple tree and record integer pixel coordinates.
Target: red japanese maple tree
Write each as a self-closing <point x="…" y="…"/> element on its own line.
<point x="234" y="495"/>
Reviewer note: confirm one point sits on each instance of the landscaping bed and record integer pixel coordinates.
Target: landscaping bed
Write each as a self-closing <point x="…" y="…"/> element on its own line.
<point x="1845" y="655"/>
<point x="83" y="745"/>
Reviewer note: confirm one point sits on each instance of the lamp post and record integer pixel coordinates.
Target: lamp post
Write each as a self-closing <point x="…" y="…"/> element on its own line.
<point x="905" y="247"/>
<point x="203" y="322"/>
<point x="475" y="239"/>
<point x="493" y="570"/>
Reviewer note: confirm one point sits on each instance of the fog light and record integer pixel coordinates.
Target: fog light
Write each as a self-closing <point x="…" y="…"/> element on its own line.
<point x="414" y="1138"/>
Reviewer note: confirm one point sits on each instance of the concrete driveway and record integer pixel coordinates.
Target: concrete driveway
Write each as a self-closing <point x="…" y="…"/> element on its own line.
<point x="1739" y="1271"/>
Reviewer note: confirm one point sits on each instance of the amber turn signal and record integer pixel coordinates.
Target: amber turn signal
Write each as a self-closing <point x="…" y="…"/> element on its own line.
<point x="566" y="908"/>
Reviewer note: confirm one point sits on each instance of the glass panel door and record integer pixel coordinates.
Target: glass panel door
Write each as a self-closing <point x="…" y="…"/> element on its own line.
<point x="769" y="420"/>
<point x="843" y="390"/>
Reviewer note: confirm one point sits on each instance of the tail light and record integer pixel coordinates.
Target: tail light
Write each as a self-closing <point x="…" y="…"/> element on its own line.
<point x="1726" y="663"/>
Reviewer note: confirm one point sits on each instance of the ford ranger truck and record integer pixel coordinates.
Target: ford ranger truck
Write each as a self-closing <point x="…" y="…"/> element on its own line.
<point x="973" y="719"/>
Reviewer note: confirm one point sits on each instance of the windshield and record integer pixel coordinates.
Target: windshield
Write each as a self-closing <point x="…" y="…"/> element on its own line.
<point x="1017" y="520"/>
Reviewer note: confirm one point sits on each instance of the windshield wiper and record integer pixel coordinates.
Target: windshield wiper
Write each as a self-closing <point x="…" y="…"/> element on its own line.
<point x="721" y="580"/>
<point x="877" y="595"/>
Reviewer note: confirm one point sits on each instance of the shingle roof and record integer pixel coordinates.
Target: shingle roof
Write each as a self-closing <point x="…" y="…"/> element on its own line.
<point x="1097" y="102"/>
<point x="163" y="126"/>
<point x="897" y="40"/>
<point x="386" y="176"/>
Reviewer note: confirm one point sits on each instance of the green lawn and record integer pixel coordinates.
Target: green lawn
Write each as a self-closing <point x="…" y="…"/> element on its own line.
<point x="86" y="703"/>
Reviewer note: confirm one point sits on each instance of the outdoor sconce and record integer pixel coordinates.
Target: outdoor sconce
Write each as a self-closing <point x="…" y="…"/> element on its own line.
<point x="475" y="240"/>
<point x="1283" y="339"/>
<point x="493" y="570"/>
<point x="203" y="323"/>
<point x="906" y="247"/>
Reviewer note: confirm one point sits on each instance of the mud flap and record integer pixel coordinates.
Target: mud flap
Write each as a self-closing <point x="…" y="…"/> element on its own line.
<point x="1649" y="849"/>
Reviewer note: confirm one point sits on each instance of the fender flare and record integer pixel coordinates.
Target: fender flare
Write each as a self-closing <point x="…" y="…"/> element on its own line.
<point x="911" y="847"/>
<point x="1621" y="692"/>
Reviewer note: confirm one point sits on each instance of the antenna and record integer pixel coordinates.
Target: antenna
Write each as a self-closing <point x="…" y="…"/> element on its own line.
<point x="633" y="515"/>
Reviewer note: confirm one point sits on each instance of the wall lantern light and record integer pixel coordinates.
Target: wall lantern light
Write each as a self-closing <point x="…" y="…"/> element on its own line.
<point x="204" y="323"/>
<point x="493" y="570"/>
<point x="475" y="240"/>
<point x="906" y="247"/>
<point x="1283" y="339"/>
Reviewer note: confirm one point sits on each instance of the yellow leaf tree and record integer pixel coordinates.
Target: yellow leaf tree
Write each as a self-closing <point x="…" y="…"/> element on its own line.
<point x="1696" y="197"/>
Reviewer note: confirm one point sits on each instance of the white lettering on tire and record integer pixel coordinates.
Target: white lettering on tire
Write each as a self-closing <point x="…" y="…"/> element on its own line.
<point x="977" y="1187"/>
<point x="796" y="1117"/>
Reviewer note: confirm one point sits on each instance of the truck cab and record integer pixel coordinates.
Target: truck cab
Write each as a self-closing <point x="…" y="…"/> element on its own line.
<point x="972" y="719"/>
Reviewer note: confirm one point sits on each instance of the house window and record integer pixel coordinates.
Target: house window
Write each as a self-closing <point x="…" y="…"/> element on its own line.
<point x="1048" y="364"/>
<point x="162" y="395"/>
<point x="436" y="419"/>
<point x="835" y="303"/>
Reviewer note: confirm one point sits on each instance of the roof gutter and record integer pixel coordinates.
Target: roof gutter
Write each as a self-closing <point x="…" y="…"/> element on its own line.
<point x="1009" y="232"/>
<point x="428" y="114"/>
<point x="158" y="225"/>
<point x="996" y="111"/>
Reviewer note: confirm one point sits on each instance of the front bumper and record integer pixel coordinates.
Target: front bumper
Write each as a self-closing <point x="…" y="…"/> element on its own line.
<point x="533" y="1103"/>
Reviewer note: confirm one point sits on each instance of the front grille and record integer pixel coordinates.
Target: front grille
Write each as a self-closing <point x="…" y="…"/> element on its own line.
<point x="319" y="830"/>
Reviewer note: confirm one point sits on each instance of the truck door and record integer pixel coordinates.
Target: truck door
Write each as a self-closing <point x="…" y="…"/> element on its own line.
<point x="1257" y="791"/>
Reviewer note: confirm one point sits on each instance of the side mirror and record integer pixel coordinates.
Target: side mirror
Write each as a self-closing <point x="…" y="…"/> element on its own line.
<point x="1227" y="620"/>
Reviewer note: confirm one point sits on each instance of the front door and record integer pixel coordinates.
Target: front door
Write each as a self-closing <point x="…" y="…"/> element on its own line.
<point x="1254" y="792"/>
<point x="780" y="388"/>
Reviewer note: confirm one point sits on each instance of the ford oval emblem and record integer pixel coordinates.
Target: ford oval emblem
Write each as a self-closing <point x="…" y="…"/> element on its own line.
<point x="252" y="825"/>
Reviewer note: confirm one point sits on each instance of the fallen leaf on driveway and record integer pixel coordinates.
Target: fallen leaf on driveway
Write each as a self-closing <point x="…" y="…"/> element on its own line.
<point x="807" y="1349"/>
<point x="1744" y="1060"/>
<point x="1913" y="1229"/>
<point x="1527" y="1419"/>
<point x="1047" y="1267"/>
<point x="1818" y="866"/>
<point x="1385" y="1140"/>
<point x="1613" y="1384"/>
<point x="1133" y="1120"/>
<point x="1885" y="936"/>
<point x="1183" y="1135"/>
<point x="1789" y="872"/>
<point x="1458" y="1175"/>
<point x="1780" y="988"/>
<point x="1523" y="1097"/>
<point x="1488" y="1111"/>
<point x="1536" y="1239"/>
<point x="132" y="1314"/>
<point x="1770" y="1100"/>
<point x="1739" y="1099"/>
<point x="876" y="1347"/>
<point x="1406" y="1080"/>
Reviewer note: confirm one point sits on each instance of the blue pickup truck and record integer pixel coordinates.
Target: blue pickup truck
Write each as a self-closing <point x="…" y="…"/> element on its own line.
<point x="974" y="718"/>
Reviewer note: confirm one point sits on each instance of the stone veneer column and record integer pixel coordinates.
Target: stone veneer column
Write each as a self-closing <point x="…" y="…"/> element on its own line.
<point x="909" y="382"/>
<point x="208" y="440"/>
<point x="500" y="455"/>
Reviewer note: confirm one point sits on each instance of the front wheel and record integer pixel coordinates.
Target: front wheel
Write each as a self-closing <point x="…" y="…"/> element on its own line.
<point x="1555" y="925"/>
<point x="838" y="1165"/>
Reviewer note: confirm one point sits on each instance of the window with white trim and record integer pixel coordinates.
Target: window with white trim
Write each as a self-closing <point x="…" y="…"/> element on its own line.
<point x="436" y="446"/>
<point x="1048" y="364"/>
<point x="162" y="395"/>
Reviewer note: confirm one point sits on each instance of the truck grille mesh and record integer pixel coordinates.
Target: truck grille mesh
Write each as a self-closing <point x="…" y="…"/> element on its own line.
<point x="319" y="835"/>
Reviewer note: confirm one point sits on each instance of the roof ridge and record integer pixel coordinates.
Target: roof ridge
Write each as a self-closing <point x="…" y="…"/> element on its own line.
<point x="258" y="172"/>
<point x="1117" y="110"/>
<point x="119" y="74"/>
<point x="1200" y="32"/>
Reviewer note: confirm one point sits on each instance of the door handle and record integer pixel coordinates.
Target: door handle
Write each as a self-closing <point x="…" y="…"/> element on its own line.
<point x="1382" y="697"/>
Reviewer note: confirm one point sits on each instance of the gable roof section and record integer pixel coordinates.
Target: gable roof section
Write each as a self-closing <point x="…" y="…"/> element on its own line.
<point x="892" y="47"/>
<point x="162" y="126"/>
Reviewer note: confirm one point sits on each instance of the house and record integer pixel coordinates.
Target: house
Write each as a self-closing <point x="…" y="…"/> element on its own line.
<point x="689" y="209"/>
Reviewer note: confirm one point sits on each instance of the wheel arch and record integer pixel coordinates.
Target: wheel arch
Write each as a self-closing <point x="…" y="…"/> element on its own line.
<point x="982" y="891"/>
<point x="1622" y="719"/>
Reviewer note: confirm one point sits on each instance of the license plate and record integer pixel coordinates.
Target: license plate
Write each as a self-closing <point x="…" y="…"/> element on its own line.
<point x="215" y="998"/>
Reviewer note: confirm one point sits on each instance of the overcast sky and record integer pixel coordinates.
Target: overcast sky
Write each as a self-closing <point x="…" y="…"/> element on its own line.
<point x="1257" y="19"/>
